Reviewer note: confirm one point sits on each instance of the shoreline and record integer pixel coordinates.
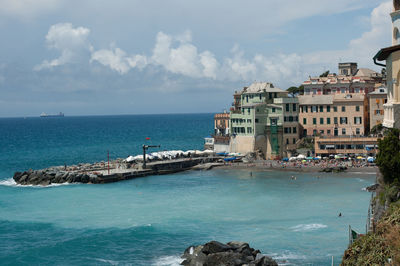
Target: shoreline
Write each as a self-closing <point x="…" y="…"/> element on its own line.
<point x="266" y="166"/>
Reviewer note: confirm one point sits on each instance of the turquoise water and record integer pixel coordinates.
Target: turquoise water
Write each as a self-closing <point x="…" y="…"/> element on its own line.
<point x="150" y="221"/>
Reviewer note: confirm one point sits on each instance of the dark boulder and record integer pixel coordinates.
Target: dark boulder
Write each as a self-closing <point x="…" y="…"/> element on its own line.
<point x="231" y="254"/>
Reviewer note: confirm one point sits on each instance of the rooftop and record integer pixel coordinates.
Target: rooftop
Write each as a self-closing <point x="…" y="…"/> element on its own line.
<point x="259" y="87"/>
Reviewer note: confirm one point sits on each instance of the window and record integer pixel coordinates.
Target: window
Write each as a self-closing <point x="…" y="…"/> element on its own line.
<point x="321" y="109"/>
<point x="290" y="118"/>
<point x="248" y="120"/>
<point x="285" y="118"/>
<point x="287" y="141"/>
<point x="304" y="121"/>
<point x="328" y="120"/>
<point x="335" y="120"/>
<point x="357" y="120"/>
<point x="314" y="120"/>
<point x="358" y="131"/>
<point x="357" y="108"/>
<point x="249" y="130"/>
<point x="335" y="108"/>
<point x="285" y="130"/>
<point x="314" y="109"/>
<point x="256" y="120"/>
<point x="248" y="110"/>
<point x="294" y="107"/>
<point x="273" y="109"/>
<point x="287" y="107"/>
<point x="328" y="132"/>
<point x="273" y="121"/>
<point x="275" y="95"/>
<point x="343" y="131"/>
<point x="321" y="132"/>
<point x="270" y="95"/>
<point x="306" y="108"/>
<point x="328" y="108"/>
<point x="260" y="96"/>
<point x="343" y="108"/>
<point x="314" y="132"/>
<point x="294" y="130"/>
<point x="343" y="120"/>
<point x="247" y="98"/>
<point x="294" y="141"/>
<point x="321" y="121"/>
<point x="242" y="110"/>
<point x="296" y="118"/>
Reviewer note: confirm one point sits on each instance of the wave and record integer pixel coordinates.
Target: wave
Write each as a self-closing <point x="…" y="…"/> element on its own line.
<point x="307" y="227"/>
<point x="168" y="261"/>
<point x="111" y="262"/>
<point x="11" y="183"/>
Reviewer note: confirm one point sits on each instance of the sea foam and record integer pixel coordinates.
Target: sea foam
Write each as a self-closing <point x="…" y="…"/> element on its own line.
<point x="168" y="261"/>
<point x="10" y="182"/>
<point x="307" y="227"/>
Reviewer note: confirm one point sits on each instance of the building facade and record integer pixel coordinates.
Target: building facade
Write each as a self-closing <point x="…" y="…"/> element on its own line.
<point x="349" y="80"/>
<point x="251" y="119"/>
<point x="346" y="145"/>
<point x="392" y="56"/>
<point x="334" y="115"/>
<point x="377" y="100"/>
<point x="221" y="136"/>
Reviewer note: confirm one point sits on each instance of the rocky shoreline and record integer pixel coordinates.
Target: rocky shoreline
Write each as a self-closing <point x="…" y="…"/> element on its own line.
<point x="232" y="253"/>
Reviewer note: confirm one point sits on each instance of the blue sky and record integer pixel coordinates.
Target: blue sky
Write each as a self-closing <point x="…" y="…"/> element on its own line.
<point x="94" y="57"/>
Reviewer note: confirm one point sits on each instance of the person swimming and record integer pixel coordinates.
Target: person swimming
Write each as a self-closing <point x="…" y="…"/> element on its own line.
<point x="340" y="214"/>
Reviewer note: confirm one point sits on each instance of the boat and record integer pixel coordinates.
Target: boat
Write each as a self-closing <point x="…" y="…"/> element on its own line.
<point x="60" y="114"/>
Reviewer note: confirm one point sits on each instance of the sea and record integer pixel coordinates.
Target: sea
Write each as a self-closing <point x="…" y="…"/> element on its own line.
<point x="152" y="220"/>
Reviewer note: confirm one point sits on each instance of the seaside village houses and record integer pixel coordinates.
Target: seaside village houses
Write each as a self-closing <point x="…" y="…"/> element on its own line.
<point x="336" y="112"/>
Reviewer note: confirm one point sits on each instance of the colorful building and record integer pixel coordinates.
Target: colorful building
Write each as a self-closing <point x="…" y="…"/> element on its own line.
<point x="346" y="145"/>
<point x="334" y="115"/>
<point x="349" y="80"/>
<point x="377" y="100"/>
<point x="249" y="120"/>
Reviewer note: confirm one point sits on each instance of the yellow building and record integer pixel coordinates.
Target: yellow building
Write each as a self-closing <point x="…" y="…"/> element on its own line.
<point x="377" y="100"/>
<point x="392" y="56"/>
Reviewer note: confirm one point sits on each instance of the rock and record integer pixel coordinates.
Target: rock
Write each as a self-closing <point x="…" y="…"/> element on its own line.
<point x="372" y="188"/>
<point x="214" y="247"/>
<point x="231" y="254"/>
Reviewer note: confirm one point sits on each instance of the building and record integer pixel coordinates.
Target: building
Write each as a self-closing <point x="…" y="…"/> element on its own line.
<point x="349" y="80"/>
<point x="334" y="114"/>
<point x="249" y="120"/>
<point x="392" y="56"/>
<point x="377" y="100"/>
<point x="221" y="136"/>
<point x="346" y="145"/>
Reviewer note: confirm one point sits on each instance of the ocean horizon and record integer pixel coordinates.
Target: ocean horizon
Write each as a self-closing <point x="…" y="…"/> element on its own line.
<point x="152" y="220"/>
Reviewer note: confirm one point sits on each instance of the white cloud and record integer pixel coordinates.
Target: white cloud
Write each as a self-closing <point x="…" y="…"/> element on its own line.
<point x="71" y="42"/>
<point x="118" y="60"/>
<point x="178" y="55"/>
<point x="361" y="49"/>
<point x="28" y="8"/>
<point x="183" y="58"/>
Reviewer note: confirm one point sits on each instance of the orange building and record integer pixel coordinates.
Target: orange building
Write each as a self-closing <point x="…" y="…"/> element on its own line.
<point x="334" y="115"/>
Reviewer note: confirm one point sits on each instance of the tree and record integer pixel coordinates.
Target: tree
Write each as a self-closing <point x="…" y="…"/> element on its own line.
<point x="296" y="90"/>
<point x="388" y="158"/>
<point x="325" y="74"/>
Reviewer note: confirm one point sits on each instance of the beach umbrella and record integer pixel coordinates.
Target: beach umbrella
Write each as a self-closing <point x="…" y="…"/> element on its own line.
<point x="130" y="159"/>
<point x="304" y="161"/>
<point x="359" y="157"/>
<point x="292" y="159"/>
<point x="309" y="158"/>
<point x="371" y="159"/>
<point x="301" y="156"/>
<point x="285" y="159"/>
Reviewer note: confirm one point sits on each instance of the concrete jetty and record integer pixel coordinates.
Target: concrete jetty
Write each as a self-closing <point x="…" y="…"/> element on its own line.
<point x="99" y="173"/>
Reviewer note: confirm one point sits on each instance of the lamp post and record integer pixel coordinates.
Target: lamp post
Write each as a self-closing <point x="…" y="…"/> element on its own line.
<point x="145" y="147"/>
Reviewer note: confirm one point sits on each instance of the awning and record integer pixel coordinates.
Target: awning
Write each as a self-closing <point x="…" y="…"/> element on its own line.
<point x="370" y="146"/>
<point x="330" y="146"/>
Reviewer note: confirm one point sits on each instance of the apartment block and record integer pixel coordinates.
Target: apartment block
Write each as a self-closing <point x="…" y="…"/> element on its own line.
<point x="334" y="115"/>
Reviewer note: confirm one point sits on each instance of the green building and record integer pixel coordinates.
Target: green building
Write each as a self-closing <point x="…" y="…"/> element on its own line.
<point x="266" y="121"/>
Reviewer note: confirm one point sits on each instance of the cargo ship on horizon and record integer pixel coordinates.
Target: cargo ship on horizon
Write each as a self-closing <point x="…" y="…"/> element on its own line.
<point x="60" y="114"/>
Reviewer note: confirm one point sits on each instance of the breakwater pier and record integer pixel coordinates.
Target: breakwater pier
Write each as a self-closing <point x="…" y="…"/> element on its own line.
<point x="101" y="173"/>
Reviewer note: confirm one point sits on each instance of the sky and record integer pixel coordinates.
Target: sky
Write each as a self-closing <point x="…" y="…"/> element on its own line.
<point x="91" y="57"/>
